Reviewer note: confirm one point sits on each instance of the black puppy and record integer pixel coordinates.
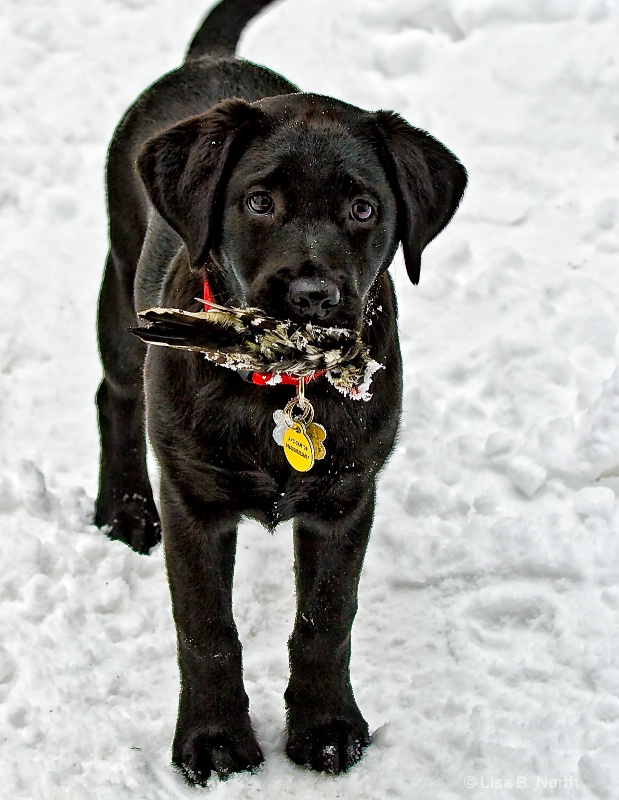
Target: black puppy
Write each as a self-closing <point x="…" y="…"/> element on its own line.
<point x="222" y="173"/>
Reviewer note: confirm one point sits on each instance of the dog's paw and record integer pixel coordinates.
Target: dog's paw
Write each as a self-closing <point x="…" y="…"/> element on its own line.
<point x="331" y="747"/>
<point x="135" y="522"/>
<point x="200" y="753"/>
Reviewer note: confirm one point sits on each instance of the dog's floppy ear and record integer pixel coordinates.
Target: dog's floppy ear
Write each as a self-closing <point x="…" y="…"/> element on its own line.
<point x="429" y="182"/>
<point x="184" y="168"/>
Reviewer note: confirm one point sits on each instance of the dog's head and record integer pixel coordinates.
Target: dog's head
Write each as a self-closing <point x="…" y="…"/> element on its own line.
<point x="301" y="200"/>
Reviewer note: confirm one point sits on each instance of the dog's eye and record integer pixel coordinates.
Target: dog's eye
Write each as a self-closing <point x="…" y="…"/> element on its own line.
<point x="361" y="210"/>
<point x="260" y="203"/>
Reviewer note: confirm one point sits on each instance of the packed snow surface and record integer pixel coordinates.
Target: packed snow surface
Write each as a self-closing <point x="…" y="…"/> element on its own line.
<point x="485" y="653"/>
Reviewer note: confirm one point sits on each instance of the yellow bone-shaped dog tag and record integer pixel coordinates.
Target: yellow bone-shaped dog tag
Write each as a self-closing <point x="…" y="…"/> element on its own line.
<point x="317" y="436"/>
<point x="301" y="437"/>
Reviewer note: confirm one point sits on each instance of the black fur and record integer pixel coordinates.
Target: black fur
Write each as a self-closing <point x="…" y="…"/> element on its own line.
<point x="181" y="167"/>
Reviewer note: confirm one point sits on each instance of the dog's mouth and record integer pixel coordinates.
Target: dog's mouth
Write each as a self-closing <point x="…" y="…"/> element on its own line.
<point x="301" y="299"/>
<point x="248" y="340"/>
<point x="314" y="309"/>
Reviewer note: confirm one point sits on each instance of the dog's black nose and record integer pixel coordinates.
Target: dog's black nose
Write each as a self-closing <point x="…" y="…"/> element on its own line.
<point x="313" y="297"/>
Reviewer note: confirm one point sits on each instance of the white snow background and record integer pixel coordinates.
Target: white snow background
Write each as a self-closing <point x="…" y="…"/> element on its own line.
<point x="485" y="652"/>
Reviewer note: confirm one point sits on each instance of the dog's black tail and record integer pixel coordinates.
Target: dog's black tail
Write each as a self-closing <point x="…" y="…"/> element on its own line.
<point x="221" y="29"/>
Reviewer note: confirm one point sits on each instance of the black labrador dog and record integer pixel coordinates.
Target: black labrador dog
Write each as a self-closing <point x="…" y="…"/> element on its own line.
<point x="223" y="174"/>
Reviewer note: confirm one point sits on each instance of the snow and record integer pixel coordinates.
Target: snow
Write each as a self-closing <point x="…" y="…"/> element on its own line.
<point x="485" y="652"/>
<point x="526" y="474"/>
<point x="595" y="501"/>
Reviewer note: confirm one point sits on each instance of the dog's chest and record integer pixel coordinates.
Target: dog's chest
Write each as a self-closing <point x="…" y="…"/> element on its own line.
<point x="206" y="423"/>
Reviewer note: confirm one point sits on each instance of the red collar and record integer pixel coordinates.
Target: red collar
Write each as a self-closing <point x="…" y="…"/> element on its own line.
<point x="264" y="378"/>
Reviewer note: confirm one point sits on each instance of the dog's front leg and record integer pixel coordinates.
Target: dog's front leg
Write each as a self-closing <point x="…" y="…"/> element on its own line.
<point x="213" y="732"/>
<point x="326" y="730"/>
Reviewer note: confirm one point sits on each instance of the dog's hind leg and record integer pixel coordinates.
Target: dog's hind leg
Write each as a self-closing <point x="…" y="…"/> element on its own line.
<point x="326" y="730"/>
<point x="125" y="502"/>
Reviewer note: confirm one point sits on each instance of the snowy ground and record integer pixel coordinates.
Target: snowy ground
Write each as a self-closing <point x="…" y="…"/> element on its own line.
<point x="486" y="650"/>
